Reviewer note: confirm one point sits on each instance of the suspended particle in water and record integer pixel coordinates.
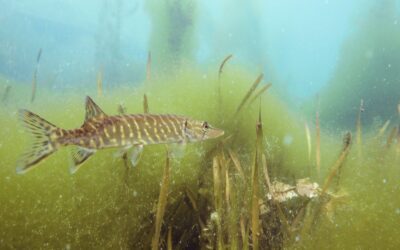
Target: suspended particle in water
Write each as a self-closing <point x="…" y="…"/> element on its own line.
<point x="288" y="140"/>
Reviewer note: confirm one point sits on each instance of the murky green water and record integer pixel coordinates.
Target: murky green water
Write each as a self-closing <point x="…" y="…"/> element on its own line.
<point x="107" y="205"/>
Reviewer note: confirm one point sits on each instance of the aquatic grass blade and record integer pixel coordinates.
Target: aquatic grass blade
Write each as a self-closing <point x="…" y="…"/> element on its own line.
<point x="221" y="67"/>
<point x="100" y="82"/>
<point x="145" y="104"/>
<point x="148" y="67"/>
<point x="236" y="163"/>
<point x="318" y="144"/>
<point x="218" y="199"/>
<point x="169" y="239"/>
<point x="260" y="92"/>
<point x="359" y="129"/>
<point x="255" y="208"/>
<point x="308" y="137"/>
<point x="335" y="169"/>
<point x="249" y="93"/>
<point x="162" y="202"/>
<point x="6" y="93"/>
<point x="34" y="78"/>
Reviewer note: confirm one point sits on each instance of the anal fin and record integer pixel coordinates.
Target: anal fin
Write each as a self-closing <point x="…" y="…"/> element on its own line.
<point x="79" y="156"/>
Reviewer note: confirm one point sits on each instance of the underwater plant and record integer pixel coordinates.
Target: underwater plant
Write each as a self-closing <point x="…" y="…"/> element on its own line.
<point x="254" y="188"/>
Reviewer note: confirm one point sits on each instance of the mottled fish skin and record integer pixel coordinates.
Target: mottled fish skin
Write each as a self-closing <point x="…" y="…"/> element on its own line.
<point x="126" y="130"/>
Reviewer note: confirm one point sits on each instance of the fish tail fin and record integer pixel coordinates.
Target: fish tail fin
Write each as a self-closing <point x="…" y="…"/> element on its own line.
<point x="43" y="144"/>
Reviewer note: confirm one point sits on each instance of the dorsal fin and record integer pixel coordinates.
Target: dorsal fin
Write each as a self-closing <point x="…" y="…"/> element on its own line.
<point x="92" y="110"/>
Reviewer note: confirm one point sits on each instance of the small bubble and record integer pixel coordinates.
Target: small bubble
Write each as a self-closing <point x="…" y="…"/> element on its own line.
<point x="397" y="210"/>
<point x="384" y="181"/>
<point x="297" y="238"/>
<point x="134" y="193"/>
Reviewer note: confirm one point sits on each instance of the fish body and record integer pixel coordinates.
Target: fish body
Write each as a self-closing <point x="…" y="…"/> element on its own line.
<point x="127" y="130"/>
<point x="100" y="131"/>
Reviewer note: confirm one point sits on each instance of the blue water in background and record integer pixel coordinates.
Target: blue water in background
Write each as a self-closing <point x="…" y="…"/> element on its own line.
<point x="299" y="40"/>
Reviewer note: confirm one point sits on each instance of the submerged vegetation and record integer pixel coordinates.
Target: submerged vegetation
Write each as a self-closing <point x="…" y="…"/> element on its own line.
<point x="256" y="188"/>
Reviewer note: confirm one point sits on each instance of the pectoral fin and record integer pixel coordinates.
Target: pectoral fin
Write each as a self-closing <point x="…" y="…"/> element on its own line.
<point x="177" y="151"/>
<point x="122" y="151"/>
<point x="79" y="156"/>
<point x="136" y="154"/>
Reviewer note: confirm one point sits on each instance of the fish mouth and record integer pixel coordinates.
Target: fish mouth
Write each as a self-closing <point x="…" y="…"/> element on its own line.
<point x="215" y="132"/>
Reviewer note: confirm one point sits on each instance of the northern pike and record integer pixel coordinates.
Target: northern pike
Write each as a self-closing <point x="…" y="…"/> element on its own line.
<point x="101" y="131"/>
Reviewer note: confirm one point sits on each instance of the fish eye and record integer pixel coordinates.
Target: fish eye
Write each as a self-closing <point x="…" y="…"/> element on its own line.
<point x="205" y="125"/>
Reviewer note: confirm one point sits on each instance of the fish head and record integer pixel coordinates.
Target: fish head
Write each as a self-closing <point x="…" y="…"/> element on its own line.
<point x="195" y="130"/>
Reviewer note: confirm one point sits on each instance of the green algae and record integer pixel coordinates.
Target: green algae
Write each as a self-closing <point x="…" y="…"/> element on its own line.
<point x="107" y="205"/>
